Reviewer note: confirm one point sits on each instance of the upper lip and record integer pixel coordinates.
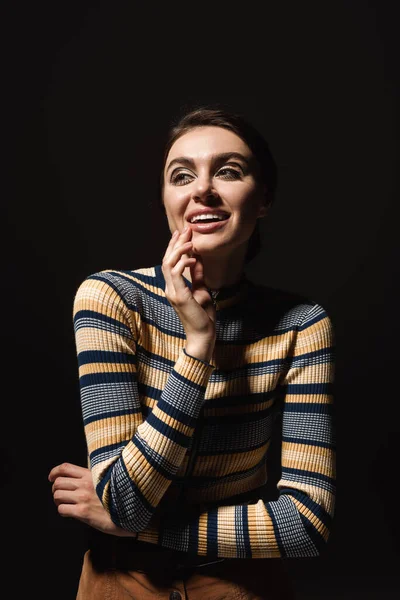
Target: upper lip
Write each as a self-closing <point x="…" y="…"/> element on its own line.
<point x="205" y="211"/>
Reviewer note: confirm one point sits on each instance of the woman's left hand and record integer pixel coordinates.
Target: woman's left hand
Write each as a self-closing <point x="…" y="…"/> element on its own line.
<point x="74" y="495"/>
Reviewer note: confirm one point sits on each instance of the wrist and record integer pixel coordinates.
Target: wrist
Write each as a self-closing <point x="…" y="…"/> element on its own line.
<point x="201" y="352"/>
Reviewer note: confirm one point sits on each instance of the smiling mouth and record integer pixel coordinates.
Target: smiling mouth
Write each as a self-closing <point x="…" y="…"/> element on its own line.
<point x="208" y="227"/>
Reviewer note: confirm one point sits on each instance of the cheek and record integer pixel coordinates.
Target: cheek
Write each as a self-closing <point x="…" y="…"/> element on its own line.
<point x="247" y="204"/>
<point x="175" y="200"/>
<point x="175" y="206"/>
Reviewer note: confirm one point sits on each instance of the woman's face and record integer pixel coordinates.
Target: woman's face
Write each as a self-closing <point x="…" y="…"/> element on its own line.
<point x="211" y="169"/>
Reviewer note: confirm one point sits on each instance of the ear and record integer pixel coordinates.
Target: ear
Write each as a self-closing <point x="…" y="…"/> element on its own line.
<point x="265" y="205"/>
<point x="263" y="210"/>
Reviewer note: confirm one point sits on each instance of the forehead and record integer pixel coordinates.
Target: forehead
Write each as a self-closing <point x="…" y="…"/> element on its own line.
<point x="203" y="142"/>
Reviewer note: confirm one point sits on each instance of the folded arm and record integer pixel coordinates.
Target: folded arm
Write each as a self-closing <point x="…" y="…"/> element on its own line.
<point x="298" y="522"/>
<point x="133" y="461"/>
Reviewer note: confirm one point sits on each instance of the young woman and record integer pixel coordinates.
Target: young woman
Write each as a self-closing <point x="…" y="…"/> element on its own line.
<point x="183" y="369"/>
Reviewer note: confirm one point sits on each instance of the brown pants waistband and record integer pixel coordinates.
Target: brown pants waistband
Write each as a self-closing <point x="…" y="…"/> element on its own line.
<point x="127" y="554"/>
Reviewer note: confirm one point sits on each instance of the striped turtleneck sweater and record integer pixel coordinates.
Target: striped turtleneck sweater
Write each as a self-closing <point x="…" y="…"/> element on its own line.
<point x="178" y="446"/>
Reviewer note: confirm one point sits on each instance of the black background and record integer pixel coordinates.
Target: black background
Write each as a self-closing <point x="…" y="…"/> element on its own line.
<point x="89" y="92"/>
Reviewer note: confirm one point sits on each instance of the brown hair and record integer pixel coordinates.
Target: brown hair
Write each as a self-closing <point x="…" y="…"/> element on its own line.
<point x="216" y="116"/>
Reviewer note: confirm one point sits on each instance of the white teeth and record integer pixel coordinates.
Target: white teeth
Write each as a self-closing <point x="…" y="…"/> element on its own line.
<point x="206" y="216"/>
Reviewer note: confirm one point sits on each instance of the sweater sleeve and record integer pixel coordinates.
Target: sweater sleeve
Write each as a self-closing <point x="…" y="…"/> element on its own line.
<point x="132" y="460"/>
<point x="298" y="522"/>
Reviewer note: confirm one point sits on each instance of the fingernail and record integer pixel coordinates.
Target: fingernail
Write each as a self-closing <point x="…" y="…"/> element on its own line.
<point x="185" y="228"/>
<point x="175" y="233"/>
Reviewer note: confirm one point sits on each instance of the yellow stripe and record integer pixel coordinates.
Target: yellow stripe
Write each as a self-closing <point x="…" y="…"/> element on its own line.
<point x="111" y="430"/>
<point x="311" y="374"/>
<point x="94" y="368"/>
<point x="89" y="338"/>
<point x="202" y="543"/>
<point x="315" y="337"/>
<point x="262" y="536"/>
<point x="226" y="532"/>
<point x="305" y="457"/>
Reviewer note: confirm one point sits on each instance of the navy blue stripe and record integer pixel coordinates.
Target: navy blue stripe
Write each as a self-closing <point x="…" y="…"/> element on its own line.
<point x="244" y="526"/>
<point x="151" y="458"/>
<point x="316" y="508"/>
<point x="103" y="481"/>
<point x="95" y="317"/>
<point x="249" y="448"/>
<point x="312" y="408"/>
<point x="221" y="402"/>
<point x="275" y="362"/>
<point x="159" y="326"/>
<point x="149" y="392"/>
<point x="188" y="382"/>
<point x="212" y="533"/>
<point x="275" y="524"/>
<point x="109" y="448"/>
<point x="238" y="419"/>
<point x="312" y="321"/>
<point x="152" y="358"/>
<point x="326" y="352"/>
<point x="193" y="537"/>
<point x="231" y="401"/>
<point x="134" y="488"/>
<point x="107" y="377"/>
<point x="313" y="533"/>
<point x="104" y="279"/>
<point x="309" y="474"/>
<point x="175" y="413"/>
<point x="142" y="449"/>
<point x="198" y="481"/>
<point x="125" y="273"/>
<point x="105" y="356"/>
<point x="109" y="415"/>
<point x="168" y="431"/>
<point x="136" y="284"/>
<point x="308" y="388"/>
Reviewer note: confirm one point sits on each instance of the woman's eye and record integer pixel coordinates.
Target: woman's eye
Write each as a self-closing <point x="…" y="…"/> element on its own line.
<point x="180" y="178"/>
<point x="229" y="173"/>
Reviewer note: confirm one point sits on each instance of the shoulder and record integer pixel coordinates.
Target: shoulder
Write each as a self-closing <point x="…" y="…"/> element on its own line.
<point x="289" y="309"/>
<point x="127" y="284"/>
<point x="117" y="294"/>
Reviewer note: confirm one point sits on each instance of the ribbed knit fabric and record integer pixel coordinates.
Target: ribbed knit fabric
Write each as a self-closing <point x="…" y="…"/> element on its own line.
<point x="145" y="400"/>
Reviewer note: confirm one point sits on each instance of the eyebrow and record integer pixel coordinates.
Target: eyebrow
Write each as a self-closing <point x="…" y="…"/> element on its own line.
<point x="223" y="157"/>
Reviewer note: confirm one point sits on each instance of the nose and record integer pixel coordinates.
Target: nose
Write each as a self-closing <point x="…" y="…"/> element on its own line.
<point x="203" y="188"/>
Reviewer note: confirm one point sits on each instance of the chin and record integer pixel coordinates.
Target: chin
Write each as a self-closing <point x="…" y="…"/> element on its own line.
<point x="208" y="249"/>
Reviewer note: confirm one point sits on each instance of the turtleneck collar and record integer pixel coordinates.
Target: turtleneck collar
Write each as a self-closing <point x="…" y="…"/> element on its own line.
<point x="231" y="295"/>
<point x="226" y="296"/>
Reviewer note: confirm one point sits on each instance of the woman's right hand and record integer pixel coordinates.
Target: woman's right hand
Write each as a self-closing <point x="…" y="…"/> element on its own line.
<point x="194" y="307"/>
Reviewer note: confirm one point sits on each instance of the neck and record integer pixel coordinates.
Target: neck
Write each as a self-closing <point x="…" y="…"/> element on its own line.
<point x="220" y="272"/>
